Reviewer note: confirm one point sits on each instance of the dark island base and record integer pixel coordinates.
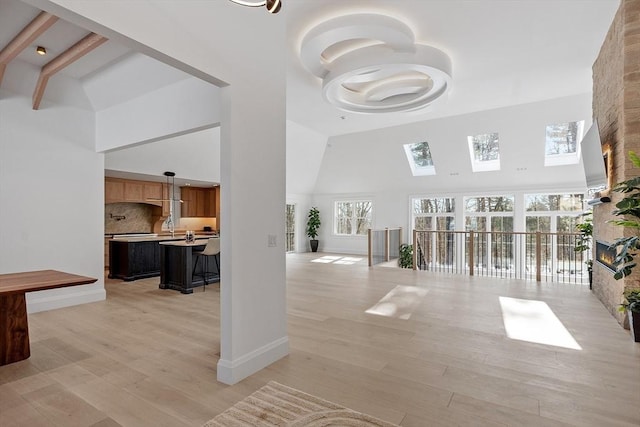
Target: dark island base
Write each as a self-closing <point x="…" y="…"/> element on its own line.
<point x="176" y="267"/>
<point x="133" y="260"/>
<point x="133" y="277"/>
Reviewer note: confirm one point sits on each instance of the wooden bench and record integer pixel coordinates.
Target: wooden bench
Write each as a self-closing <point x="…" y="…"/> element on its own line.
<point x="14" y="327"/>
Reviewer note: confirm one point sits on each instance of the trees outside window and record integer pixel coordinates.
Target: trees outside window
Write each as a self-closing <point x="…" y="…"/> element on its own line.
<point x="353" y="217"/>
<point x="484" y="150"/>
<point x="562" y="143"/>
<point x="419" y="158"/>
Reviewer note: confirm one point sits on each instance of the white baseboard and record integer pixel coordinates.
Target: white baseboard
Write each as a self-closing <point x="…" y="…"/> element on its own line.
<point x="46" y="300"/>
<point x="233" y="371"/>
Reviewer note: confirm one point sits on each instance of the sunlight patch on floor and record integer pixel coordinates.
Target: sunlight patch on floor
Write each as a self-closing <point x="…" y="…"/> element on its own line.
<point x="326" y="259"/>
<point x="399" y="303"/>
<point x="347" y="260"/>
<point x="534" y="321"/>
<point x="337" y="260"/>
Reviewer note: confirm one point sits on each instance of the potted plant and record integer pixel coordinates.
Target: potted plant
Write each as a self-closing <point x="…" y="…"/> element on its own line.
<point x="629" y="208"/>
<point x="631" y="305"/>
<point x="313" y="224"/>
<point x="406" y="256"/>
<point x="583" y="242"/>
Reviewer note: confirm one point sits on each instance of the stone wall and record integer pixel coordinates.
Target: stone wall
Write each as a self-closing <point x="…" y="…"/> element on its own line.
<point x="616" y="107"/>
<point x="138" y="218"/>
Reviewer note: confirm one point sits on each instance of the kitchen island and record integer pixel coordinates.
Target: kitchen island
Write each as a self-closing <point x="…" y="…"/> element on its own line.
<point x="177" y="260"/>
<point x="132" y="258"/>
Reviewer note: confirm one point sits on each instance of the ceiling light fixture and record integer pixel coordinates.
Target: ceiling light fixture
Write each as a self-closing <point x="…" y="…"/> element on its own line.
<point x="273" y="6"/>
<point x="41" y="50"/>
<point x="371" y="63"/>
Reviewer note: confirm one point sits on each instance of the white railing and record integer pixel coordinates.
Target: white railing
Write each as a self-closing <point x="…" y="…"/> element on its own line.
<point x="548" y="257"/>
<point x="383" y="244"/>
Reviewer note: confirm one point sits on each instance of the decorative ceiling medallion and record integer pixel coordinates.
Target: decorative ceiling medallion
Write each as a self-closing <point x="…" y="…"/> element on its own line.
<point x="371" y="64"/>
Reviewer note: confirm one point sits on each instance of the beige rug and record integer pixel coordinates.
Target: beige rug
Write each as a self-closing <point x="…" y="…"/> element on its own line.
<point x="278" y="405"/>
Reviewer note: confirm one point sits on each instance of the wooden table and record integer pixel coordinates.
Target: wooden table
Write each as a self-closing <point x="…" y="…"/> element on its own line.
<point x="14" y="327"/>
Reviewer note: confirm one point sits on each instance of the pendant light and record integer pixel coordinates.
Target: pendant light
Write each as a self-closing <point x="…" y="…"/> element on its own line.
<point x="272" y="6"/>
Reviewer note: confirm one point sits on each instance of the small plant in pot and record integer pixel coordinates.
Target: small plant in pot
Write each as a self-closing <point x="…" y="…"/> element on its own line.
<point x="583" y="242"/>
<point x="406" y="256"/>
<point x="631" y="305"/>
<point x="313" y="224"/>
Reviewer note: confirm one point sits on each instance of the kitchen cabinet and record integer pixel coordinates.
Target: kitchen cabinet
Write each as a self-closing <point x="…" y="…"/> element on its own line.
<point x="113" y="191"/>
<point x="198" y="202"/>
<point x="133" y="191"/>
<point x="118" y="190"/>
<point x="179" y="269"/>
<point x="134" y="260"/>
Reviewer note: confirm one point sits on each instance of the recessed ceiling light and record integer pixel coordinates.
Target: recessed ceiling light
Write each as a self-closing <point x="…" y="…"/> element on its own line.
<point x="41" y="50"/>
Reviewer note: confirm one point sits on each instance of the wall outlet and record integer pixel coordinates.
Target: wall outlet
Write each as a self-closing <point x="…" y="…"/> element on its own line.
<point x="271" y="240"/>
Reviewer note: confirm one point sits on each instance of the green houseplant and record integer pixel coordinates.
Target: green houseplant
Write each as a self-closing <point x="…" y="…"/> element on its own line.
<point x="631" y="305"/>
<point x="628" y="208"/>
<point x="406" y="256"/>
<point x="583" y="242"/>
<point x="313" y="224"/>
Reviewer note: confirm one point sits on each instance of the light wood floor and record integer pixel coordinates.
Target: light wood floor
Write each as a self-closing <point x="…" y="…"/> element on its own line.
<point x="147" y="357"/>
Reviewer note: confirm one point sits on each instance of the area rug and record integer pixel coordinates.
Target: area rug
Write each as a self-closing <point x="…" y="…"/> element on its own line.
<point x="278" y="405"/>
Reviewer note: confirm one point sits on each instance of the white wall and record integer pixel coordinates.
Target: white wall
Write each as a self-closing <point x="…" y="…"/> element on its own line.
<point x="193" y="156"/>
<point x="206" y="38"/>
<point x="373" y="165"/>
<point x="51" y="198"/>
<point x="184" y="106"/>
<point x="305" y="150"/>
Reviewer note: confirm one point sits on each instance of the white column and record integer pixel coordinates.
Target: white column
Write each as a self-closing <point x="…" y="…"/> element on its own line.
<point x="252" y="293"/>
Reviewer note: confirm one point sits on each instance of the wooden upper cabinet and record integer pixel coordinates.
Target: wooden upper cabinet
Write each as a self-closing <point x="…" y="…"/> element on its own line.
<point x="117" y="190"/>
<point x="153" y="190"/>
<point x="198" y="202"/>
<point x="113" y="191"/>
<point x="133" y="191"/>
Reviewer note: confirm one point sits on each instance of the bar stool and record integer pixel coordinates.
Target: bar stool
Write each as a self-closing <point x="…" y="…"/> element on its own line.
<point x="212" y="249"/>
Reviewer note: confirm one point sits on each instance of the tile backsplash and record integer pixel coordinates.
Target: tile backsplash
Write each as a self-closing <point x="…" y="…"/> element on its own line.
<point x="128" y="218"/>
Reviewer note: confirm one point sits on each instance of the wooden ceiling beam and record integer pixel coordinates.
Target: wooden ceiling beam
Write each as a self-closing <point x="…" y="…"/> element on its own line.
<point x="32" y="31"/>
<point x="66" y="58"/>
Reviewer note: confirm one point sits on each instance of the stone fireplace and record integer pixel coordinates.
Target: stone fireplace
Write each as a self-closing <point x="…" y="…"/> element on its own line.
<point x="605" y="255"/>
<point x="616" y="107"/>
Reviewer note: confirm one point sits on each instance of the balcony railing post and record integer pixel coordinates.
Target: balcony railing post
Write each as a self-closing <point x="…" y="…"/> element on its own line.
<point x="471" y="250"/>
<point x="386" y="244"/>
<point x="538" y="256"/>
<point x="415" y="249"/>
<point x="370" y="247"/>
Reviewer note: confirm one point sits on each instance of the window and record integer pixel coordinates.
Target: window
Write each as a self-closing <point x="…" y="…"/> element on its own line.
<point x="553" y="213"/>
<point x="485" y="152"/>
<point x="352" y="217"/>
<point x="290" y="224"/>
<point x="433" y="214"/>
<point x="419" y="157"/>
<point x="492" y="213"/>
<point x="490" y="216"/>
<point x="562" y="143"/>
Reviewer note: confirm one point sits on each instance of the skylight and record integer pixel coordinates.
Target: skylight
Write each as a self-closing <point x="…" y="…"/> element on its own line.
<point x="485" y="152"/>
<point x="419" y="157"/>
<point x="562" y="143"/>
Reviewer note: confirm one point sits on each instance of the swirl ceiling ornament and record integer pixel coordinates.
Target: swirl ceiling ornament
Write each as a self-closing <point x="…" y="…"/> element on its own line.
<point x="371" y="63"/>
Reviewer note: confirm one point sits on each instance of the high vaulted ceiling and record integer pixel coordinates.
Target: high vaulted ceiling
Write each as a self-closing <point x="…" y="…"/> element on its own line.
<point x="503" y="53"/>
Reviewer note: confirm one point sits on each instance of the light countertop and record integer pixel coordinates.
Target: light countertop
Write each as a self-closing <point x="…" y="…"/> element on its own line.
<point x="198" y="242"/>
<point x="154" y="238"/>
